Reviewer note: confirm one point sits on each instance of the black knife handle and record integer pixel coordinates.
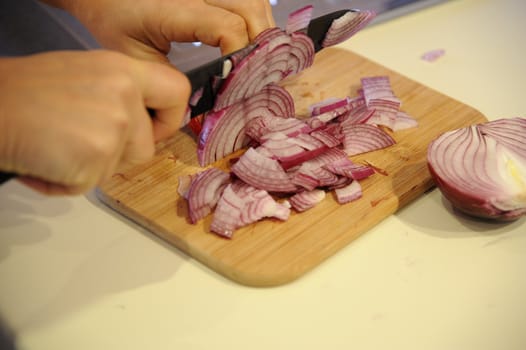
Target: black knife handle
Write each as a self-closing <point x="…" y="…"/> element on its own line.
<point x="4" y="177"/>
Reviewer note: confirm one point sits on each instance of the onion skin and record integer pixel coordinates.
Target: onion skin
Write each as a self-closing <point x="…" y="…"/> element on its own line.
<point x="481" y="169"/>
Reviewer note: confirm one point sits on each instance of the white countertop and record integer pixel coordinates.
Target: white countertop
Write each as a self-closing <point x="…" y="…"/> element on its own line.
<point x="74" y="275"/>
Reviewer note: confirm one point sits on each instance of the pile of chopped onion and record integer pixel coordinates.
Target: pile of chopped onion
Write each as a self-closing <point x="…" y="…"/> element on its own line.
<point x="481" y="169"/>
<point x="290" y="162"/>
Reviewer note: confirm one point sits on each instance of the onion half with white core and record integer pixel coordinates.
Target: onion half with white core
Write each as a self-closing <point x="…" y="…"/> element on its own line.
<point x="481" y="169"/>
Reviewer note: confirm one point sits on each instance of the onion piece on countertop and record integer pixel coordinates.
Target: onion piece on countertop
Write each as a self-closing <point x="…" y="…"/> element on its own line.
<point x="481" y="169"/>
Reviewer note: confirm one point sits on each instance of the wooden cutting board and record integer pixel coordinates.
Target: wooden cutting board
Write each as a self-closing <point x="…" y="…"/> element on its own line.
<point x="271" y="252"/>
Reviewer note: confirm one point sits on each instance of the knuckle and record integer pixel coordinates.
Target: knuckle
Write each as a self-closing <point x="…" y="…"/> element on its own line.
<point x="236" y="25"/>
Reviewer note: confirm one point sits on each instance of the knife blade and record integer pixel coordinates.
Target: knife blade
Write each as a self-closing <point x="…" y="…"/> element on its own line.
<point x="207" y="79"/>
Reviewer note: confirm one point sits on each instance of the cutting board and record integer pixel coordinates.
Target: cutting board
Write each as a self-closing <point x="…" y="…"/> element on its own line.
<point x="271" y="252"/>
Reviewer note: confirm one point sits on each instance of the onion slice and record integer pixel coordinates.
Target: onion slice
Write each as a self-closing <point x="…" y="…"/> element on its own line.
<point x="346" y="26"/>
<point x="262" y="172"/>
<point x="204" y="191"/>
<point x="481" y="169"/>
<point x="362" y="138"/>
<point x="299" y="19"/>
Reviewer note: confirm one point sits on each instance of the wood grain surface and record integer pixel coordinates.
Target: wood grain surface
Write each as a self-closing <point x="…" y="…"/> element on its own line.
<point x="270" y="252"/>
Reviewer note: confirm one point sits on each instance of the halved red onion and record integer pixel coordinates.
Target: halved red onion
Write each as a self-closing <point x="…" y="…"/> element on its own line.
<point x="347" y="25"/>
<point x="481" y="169"/>
<point x="362" y="138"/>
<point x="299" y="19"/>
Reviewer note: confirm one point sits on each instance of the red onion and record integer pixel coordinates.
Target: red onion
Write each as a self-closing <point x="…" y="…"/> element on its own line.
<point x="204" y="191"/>
<point x="242" y="204"/>
<point x="481" y="169"/>
<point x="277" y="56"/>
<point x="223" y="131"/>
<point x="361" y="138"/>
<point x="262" y="172"/>
<point x="299" y="19"/>
<point x="379" y="96"/>
<point x="305" y="200"/>
<point x="346" y="26"/>
<point x="349" y="193"/>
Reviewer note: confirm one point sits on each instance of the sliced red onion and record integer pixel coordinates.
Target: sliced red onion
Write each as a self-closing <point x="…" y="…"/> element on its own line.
<point x="328" y="105"/>
<point x="223" y="131"/>
<point x="362" y="138"/>
<point x="184" y="185"/>
<point x="241" y="205"/>
<point x="281" y="149"/>
<point x="404" y="121"/>
<point x="267" y="127"/>
<point x="327" y="138"/>
<point x="204" y="192"/>
<point x="262" y="172"/>
<point x="277" y="56"/>
<point x="380" y="97"/>
<point x="481" y="169"/>
<point x="349" y="193"/>
<point x="299" y="19"/>
<point x="301" y="158"/>
<point x="347" y="168"/>
<point x="305" y="200"/>
<point x="346" y="26"/>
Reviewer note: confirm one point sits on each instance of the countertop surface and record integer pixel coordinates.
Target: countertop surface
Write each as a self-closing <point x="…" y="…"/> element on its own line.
<point x="75" y="275"/>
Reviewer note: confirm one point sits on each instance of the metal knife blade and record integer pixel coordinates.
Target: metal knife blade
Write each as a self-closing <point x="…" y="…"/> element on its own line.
<point x="207" y="78"/>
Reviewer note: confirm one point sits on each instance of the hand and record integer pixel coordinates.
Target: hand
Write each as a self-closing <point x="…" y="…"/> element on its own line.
<point x="69" y="120"/>
<point x="145" y="29"/>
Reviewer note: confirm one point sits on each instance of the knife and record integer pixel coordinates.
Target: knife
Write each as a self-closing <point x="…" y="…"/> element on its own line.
<point x="207" y="79"/>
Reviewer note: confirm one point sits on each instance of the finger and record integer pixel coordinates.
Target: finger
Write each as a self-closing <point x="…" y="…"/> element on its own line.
<point x="256" y="13"/>
<point x="211" y="25"/>
<point x="166" y="90"/>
